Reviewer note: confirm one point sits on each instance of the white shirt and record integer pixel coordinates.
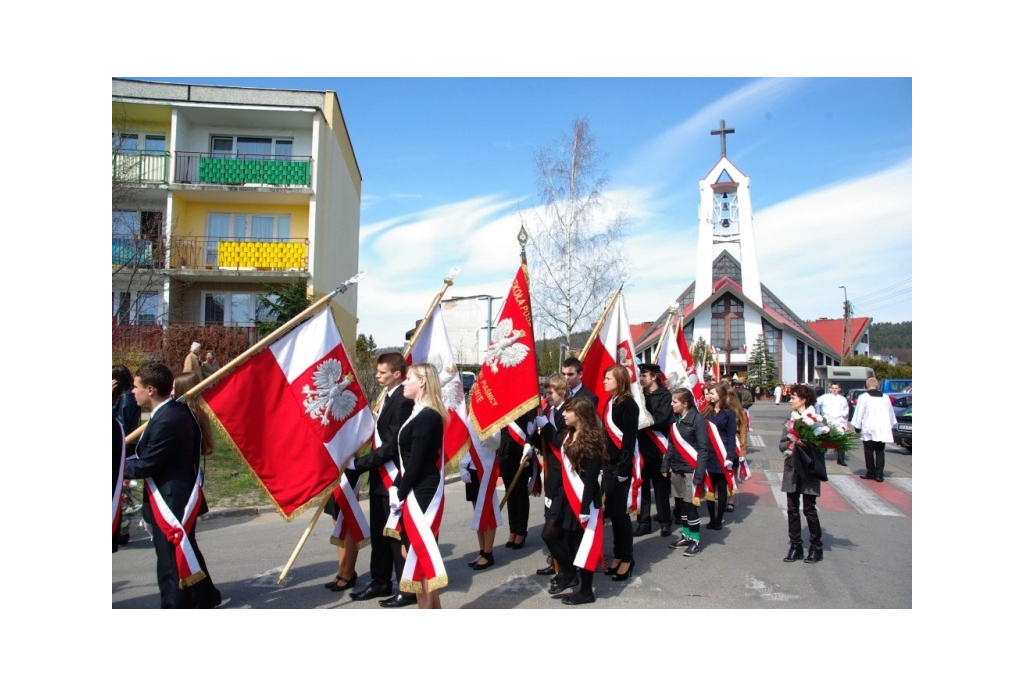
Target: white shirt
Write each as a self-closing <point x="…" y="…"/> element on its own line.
<point x="874" y="417"/>
<point x="833" y="408"/>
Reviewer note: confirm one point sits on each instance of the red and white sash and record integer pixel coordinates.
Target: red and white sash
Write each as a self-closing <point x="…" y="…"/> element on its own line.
<point x="534" y="485"/>
<point x="118" y="486"/>
<point x="350" y="516"/>
<point x="689" y="455"/>
<point x="658" y="438"/>
<point x="590" y="552"/>
<point x="637" y="481"/>
<point x="486" y="513"/>
<point x="718" y="447"/>
<point x="189" y="570"/>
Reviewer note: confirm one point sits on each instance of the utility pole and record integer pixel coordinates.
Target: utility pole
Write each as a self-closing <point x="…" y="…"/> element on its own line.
<point x="846" y="323"/>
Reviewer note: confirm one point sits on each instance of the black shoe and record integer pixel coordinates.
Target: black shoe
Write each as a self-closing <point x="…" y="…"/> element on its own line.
<point x="666" y="530"/>
<point x="796" y="553"/>
<point x="334" y="582"/>
<point x="880" y="479"/>
<point x="619" y="575"/>
<point x="841" y="462"/>
<point x="561" y="583"/>
<point x="578" y="598"/>
<point x="399" y="600"/>
<point x="692" y="550"/>
<point x="868" y="476"/>
<point x="682" y="543"/>
<point x="488" y="562"/>
<point x="372" y="591"/>
<point x="344" y="583"/>
<point x="517" y="545"/>
<point x="715" y="525"/>
<point x="814" y="555"/>
<point x="548" y="570"/>
<point x="642" y="529"/>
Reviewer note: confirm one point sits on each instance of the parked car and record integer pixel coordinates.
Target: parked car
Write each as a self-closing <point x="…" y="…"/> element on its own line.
<point x="903" y="431"/>
<point x="468" y="379"/>
<point x="852" y="395"/>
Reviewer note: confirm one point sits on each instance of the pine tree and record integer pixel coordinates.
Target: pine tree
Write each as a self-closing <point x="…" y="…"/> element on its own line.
<point x="761" y="369"/>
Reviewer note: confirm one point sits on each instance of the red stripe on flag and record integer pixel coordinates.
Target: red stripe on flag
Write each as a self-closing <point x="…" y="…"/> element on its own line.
<point x="262" y="415"/>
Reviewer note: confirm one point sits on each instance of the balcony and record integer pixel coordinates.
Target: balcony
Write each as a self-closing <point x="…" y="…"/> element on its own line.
<point x="136" y="252"/>
<point x="142" y="167"/>
<point x="239" y="170"/>
<point x="240" y="254"/>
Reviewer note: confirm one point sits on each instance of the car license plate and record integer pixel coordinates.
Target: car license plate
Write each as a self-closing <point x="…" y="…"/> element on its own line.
<point x="904" y="427"/>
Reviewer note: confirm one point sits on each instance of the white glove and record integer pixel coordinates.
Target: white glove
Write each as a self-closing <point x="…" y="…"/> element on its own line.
<point x="541" y="422"/>
<point x="393" y="501"/>
<point x="351" y="466"/>
<point x="728" y="464"/>
<point x="527" y="449"/>
<point x="743" y="460"/>
<point x="465" y="476"/>
<point x="547" y="502"/>
<point x="531" y="427"/>
<point x="465" y="462"/>
<point x="584" y="518"/>
<point x="622" y="479"/>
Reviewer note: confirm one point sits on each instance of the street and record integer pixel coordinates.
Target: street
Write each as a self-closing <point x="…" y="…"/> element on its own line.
<point x="867" y="552"/>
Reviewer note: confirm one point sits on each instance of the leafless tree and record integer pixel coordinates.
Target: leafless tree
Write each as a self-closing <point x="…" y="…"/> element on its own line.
<point x="576" y="237"/>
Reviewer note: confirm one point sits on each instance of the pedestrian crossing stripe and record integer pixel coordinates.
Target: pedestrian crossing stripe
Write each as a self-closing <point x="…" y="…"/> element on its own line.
<point x="844" y="494"/>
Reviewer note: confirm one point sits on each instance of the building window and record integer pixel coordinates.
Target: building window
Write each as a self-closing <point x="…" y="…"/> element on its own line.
<point x="727" y="324"/>
<point x="800" y="374"/>
<point x="250" y="147"/>
<point x="726" y="267"/>
<point x="245" y="228"/>
<point x="136" y="308"/>
<point x="235" y="309"/>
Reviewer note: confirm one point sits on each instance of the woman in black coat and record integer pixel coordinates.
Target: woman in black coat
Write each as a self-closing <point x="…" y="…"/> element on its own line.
<point x="797" y="480"/>
<point x="621" y="417"/>
<point x="719" y="413"/>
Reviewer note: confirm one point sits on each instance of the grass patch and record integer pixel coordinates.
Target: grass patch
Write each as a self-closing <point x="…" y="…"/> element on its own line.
<point x="229" y="481"/>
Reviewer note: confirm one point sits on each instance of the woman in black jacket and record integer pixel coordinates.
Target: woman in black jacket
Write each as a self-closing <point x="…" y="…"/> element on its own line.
<point x="724" y="419"/>
<point x="797" y="479"/>
<point x="689" y="450"/>
<point x="125" y="409"/>
<point x="621" y="416"/>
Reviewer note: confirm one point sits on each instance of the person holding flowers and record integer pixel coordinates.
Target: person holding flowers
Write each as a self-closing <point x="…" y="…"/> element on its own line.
<point x="805" y="438"/>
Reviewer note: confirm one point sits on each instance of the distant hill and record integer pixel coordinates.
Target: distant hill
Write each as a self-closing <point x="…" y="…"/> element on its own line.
<point x="892" y="338"/>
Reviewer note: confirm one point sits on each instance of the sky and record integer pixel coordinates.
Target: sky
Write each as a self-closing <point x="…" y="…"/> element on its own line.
<point x="449" y="175"/>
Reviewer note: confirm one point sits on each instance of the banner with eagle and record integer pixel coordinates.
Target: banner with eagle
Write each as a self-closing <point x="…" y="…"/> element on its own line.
<point x="507" y="384"/>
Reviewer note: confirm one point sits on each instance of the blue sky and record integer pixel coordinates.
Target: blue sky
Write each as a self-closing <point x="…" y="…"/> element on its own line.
<point x="448" y="169"/>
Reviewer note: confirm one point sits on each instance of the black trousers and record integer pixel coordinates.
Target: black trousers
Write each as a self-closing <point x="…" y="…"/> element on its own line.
<point x="716" y="509"/>
<point x="385" y="552"/>
<point x="560" y="542"/>
<point x="653" y="480"/>
<point x="874" y="458"/>
<point x="616" y="497"/>
<point x="202" y="595"/>
<point x="517" y="506"/>
<point x="810" y="513"/>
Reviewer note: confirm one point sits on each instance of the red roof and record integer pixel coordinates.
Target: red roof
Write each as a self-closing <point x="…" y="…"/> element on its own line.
<point x="831" y="331"/>
<point x="637" y="329"/>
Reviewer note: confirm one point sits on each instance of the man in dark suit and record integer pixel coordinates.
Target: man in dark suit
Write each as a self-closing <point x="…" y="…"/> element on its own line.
<point x="168" y="455"/>
<point x="572" y="372"/>
<point x="659" y="405"/>
<point x="385" y="552"/>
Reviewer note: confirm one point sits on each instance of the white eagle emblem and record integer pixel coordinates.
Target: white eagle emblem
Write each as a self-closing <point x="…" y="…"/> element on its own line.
<point x="673" y="381"/>
<point x="504" y="349"/>
<point x="330" y="399"/>
<point x="450" y="380"/>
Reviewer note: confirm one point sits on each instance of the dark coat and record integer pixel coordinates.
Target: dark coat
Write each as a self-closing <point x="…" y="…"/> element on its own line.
<point x="693" y="428"/>
<point x="168" y="452"/>
<point x="659" y="405"/>
<point x="397" y="408"/>
<point x="551" y="436"/>
<point x="795" y="478"/>
<point x="420" y="442"/>
<point x="725" y="420"/>
<point x="625" y="415"/>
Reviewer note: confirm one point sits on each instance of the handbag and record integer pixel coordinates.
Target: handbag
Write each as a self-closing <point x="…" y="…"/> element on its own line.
<point x="812" y="462"/>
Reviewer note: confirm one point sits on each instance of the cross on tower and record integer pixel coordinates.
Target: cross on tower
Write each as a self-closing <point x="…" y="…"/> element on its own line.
<point x="723" y="131"/>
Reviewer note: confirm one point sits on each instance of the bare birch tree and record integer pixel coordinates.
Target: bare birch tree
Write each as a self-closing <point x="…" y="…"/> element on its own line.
<point x="576" y="237"/>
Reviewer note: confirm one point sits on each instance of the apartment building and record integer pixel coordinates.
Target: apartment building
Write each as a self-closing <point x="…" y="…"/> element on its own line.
<point x="223" y="194"/>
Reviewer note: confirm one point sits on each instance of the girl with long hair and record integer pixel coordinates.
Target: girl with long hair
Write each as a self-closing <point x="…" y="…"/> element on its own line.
<point x="723" y="456"/>
<point x="418" y="493"/>
<point x="742" y="429"/>
<point x="689" y="450"/>
<point x="583" y="456"/>
<point x="126" y="409"/>
<point x="621" y="418"/>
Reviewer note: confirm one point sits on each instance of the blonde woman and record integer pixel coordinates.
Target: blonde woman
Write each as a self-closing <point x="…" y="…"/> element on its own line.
<point x="418" y="494"/>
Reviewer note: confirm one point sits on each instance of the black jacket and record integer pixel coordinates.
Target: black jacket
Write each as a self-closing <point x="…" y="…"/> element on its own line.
<point x="393" y="414"/>
<point x="625" y="415"/>
<point x="693" y="428"/>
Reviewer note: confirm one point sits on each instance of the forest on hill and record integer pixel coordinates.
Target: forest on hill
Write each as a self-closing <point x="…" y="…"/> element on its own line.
<point x="892" y="338"/>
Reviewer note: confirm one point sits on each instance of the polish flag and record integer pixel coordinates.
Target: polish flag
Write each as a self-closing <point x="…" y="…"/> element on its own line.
<point x="507" y="386"/>
<point x="613" y="345"/>
<point x="434" y="347"/>
<point x="675" y="358"/>
<point x="295" y="412"/>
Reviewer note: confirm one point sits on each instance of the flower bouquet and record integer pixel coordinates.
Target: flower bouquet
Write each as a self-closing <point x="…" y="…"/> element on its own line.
<point x="816" y="433"/>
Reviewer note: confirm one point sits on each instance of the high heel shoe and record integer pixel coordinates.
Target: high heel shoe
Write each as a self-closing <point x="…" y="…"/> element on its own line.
<point x="345" y="583"/>
<point x="613" y="567"/>
<point x="619" y="575"/>
<point x="520" y="544"/>
<point x="488" y="562"/>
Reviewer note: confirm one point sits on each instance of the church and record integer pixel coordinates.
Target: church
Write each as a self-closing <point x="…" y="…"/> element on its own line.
<point x="727" y="304"/>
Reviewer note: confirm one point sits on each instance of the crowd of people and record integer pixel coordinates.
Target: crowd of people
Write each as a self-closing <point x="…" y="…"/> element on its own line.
<point x="584" y="455"/>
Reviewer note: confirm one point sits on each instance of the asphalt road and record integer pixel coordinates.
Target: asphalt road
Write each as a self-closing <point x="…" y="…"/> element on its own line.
<point x="867" y="564"/>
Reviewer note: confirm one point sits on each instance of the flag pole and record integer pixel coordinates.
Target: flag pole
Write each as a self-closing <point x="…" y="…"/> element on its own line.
<point x="600" y="322"/>
<point x="515" y="479"/>
<point x="265" y="342"/>
<point x="664" y="331"/>
<point x="305" y="536"/>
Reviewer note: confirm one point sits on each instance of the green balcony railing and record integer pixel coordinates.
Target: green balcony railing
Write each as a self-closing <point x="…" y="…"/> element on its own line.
<point x="203" y="167"/>
<point x="141" y="166"/>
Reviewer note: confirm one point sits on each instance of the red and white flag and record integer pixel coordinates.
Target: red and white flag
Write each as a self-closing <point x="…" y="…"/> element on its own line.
<point x="506" y="386"/>
<point x="613" y="345"/>
<point x="434" y="347"/>
<point x="676" y="364"/>
<point x="295" y="412"/>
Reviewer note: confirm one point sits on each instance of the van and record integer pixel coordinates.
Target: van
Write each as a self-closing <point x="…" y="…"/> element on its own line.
<point x="846" y="377"/>
<point x="893" y="385"/>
